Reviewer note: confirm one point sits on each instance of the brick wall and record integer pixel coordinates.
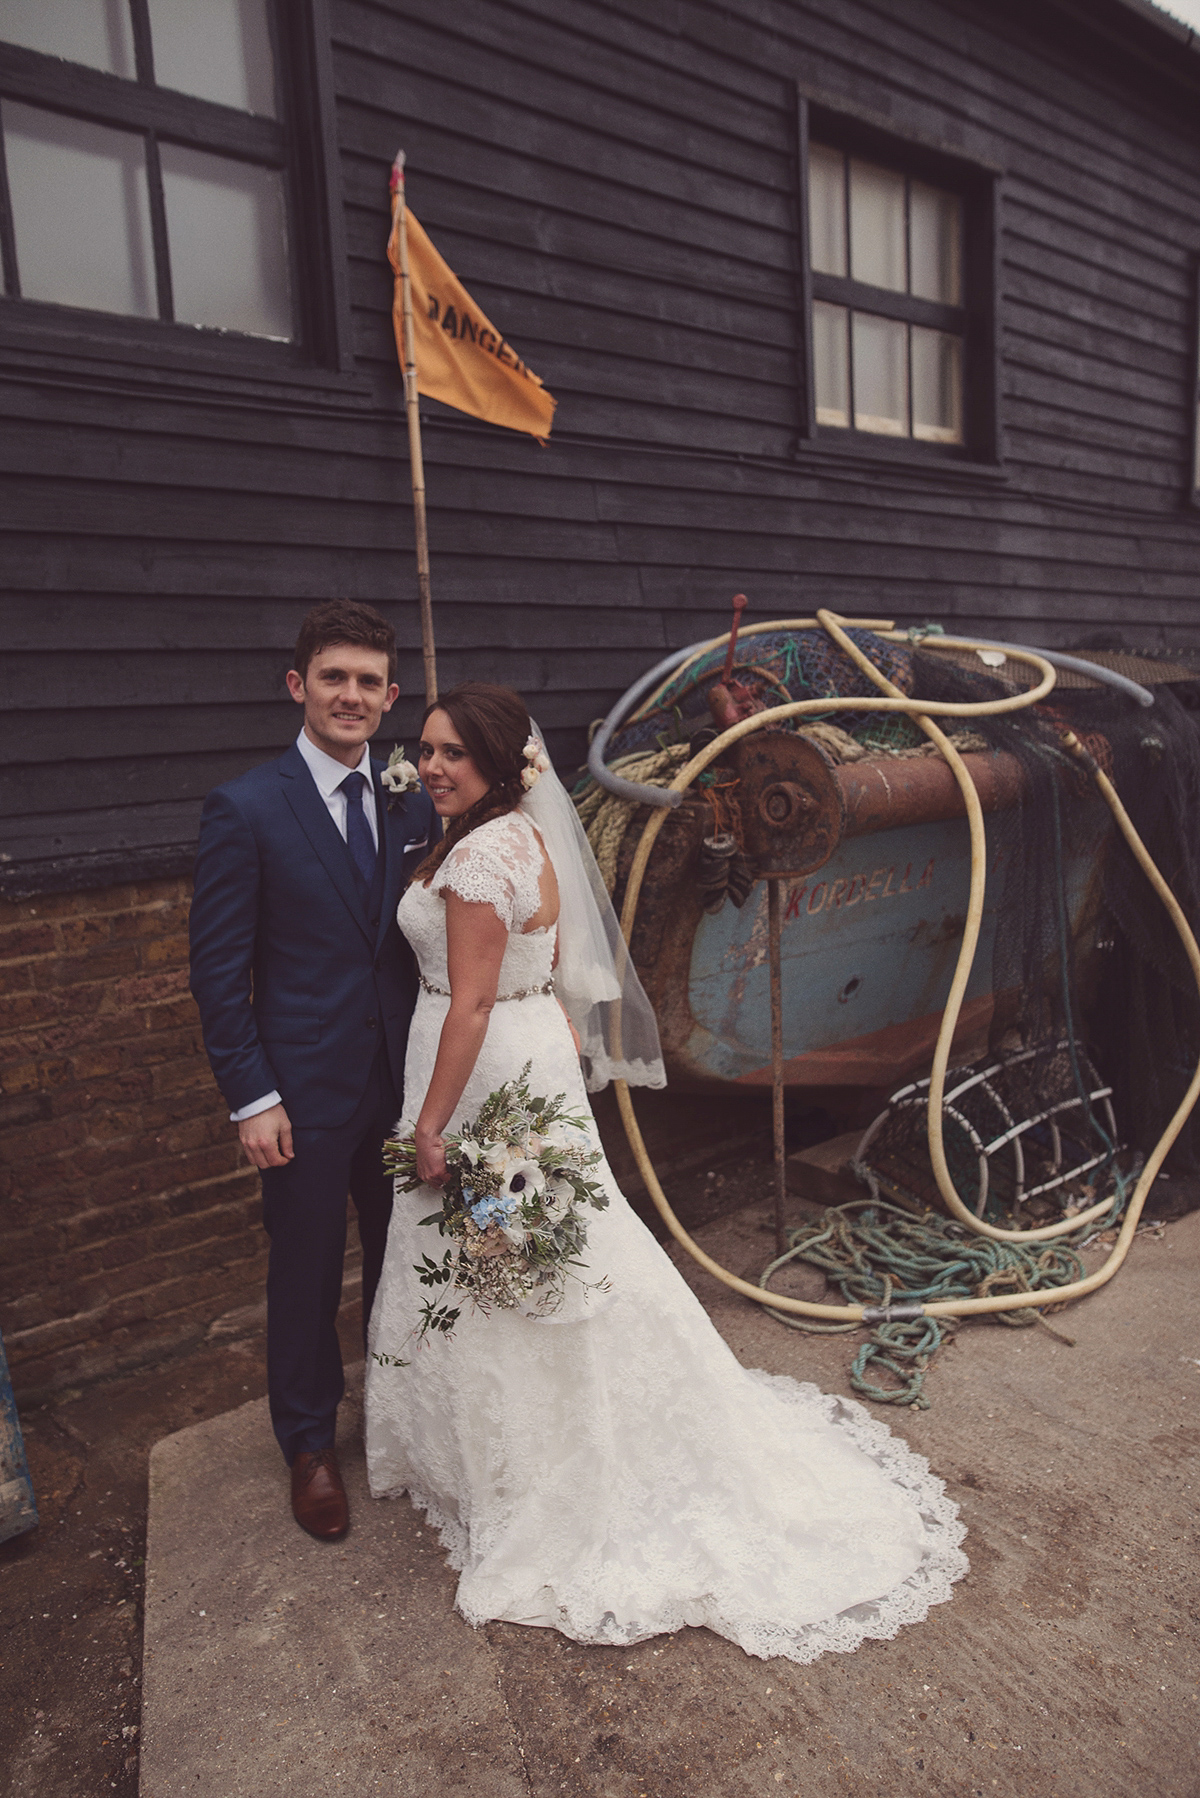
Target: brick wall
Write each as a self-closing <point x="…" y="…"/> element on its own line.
<point x="128" y="1223"/>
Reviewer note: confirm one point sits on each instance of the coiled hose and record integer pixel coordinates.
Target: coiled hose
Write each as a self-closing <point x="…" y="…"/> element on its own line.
<point x="924" y="713"/>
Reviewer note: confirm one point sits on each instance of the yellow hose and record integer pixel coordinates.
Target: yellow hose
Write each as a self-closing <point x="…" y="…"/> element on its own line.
<point x="923" y="711"/>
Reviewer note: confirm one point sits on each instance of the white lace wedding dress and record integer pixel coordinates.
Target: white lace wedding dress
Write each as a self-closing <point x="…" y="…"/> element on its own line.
<point x="613" y="1472"/>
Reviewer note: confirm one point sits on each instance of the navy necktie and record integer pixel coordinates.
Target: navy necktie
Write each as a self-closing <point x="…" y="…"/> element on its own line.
<point x="359" y="840"/>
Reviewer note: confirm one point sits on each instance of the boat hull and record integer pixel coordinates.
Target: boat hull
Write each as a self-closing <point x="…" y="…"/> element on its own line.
<point x="870" y="941"/>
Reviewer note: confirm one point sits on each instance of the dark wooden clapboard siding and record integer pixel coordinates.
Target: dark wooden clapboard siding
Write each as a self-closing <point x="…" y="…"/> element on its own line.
<point x="614" y="182"/>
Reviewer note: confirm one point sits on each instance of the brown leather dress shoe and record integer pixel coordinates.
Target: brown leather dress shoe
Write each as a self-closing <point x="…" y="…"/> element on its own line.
<point x="319" y="1502"/>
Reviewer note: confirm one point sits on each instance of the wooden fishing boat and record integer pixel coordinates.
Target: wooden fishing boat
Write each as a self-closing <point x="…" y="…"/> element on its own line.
<point x="870" y="935"/>
<point x="876" y="857"/>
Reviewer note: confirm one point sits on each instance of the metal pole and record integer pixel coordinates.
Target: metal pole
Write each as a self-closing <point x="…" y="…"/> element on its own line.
<point x="415" y="456"/>
<point x="774" y="937"/>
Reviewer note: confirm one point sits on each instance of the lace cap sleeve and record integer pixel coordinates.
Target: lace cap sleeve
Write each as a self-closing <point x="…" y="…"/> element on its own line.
<point x="493" y="866"/>
<point x="478" y="875"/>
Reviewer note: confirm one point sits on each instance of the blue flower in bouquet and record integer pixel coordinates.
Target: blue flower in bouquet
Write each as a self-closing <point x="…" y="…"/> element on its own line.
<point x="497" y="1209"/>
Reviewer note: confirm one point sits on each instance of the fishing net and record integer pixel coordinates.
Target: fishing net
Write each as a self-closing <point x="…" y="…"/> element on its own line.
<point x="778" y="666"/>
<point x="1122" y="983"/>
<point x="888" y="733"/>
<point x="1143" y="1016"/>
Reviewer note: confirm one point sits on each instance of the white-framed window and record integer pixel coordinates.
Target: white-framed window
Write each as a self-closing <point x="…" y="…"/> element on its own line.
<point x="897" y="295"/>
<point x="151" y="153"/>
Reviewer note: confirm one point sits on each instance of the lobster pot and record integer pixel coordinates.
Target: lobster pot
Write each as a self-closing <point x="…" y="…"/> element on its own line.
<point x="1026" y="1135"/>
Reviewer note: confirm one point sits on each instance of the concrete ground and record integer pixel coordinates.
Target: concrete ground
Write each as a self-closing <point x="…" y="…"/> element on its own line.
<point x="1066" y="1665"/>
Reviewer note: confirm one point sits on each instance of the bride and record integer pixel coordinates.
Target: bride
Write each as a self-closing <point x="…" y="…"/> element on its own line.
<point x="610" y="1471"/>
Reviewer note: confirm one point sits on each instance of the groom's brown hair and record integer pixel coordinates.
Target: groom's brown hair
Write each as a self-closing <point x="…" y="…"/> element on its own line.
<point x="343" y="621"/>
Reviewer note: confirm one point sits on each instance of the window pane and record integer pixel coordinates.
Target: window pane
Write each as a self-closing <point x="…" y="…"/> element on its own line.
<point x="936" y="386"/>
<point x="95" y="32"/>
<point x="880" y="375"/>
<point x="225" y="224"/>
<point x="219" y="50"/>
<point x="936" y="244"/>
<point x="877" y="226"/>
<point x="81" y="212"/>
<point x="831" y="363"/>
<point x="827" y="209"/>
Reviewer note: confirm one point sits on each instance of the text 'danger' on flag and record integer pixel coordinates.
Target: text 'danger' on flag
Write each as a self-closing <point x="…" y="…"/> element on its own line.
<point x="461" y="358"/>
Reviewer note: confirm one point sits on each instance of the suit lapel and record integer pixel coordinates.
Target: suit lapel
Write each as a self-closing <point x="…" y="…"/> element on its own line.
<point x="312" y="815"/>
<point x="393" y="832"/>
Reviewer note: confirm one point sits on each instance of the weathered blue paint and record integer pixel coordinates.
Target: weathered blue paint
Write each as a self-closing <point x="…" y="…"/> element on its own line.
<point x="17" y="1509"/>
<point x="869" y="945"/>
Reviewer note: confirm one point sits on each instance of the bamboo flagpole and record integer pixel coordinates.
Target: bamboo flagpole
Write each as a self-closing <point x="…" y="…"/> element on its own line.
<point x="415" y="455"/>
<point x="465" y="363"/>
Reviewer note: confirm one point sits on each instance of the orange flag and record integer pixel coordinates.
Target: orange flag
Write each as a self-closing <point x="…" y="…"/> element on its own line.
<point x="461" y="358"/>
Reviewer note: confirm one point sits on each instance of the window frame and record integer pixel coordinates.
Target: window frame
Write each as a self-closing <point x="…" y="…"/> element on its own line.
<point x="976" y="320"/>
<point x="301" y="143"/>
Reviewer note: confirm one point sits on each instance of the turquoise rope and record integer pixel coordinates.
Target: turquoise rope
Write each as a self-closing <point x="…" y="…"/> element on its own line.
<point x="876" y="1260"/>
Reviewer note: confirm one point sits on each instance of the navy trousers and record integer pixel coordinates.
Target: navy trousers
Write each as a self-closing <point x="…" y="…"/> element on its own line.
<point x="304" y="1213"/>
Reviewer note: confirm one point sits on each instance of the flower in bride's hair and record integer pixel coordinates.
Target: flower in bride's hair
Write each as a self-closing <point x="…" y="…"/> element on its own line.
<point x="537" y="763"/>
<point x="399" y="777"/>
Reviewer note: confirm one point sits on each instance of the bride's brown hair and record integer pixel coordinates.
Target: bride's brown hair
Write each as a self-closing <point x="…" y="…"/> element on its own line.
<point x="492" y="724"/>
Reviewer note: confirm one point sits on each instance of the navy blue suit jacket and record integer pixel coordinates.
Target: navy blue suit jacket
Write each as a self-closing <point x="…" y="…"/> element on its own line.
<point x="296" y="974"/>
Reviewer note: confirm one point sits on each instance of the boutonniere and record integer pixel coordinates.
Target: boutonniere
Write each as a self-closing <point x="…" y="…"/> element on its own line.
<point x="399" y="777"/>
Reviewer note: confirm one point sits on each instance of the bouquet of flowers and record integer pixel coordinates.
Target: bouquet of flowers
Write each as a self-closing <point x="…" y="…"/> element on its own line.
<point x="513" y="1207"/>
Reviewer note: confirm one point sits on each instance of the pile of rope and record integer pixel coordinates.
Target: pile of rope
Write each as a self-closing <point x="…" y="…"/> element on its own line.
<point x="899" y="1259"/>
<point x="605" y="815"/>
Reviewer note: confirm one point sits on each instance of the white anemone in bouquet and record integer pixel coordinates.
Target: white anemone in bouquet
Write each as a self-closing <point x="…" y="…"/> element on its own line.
<point x="499" y="1157"/>
<point x="557" y="1199"/>
<point x="523" y="1180"/>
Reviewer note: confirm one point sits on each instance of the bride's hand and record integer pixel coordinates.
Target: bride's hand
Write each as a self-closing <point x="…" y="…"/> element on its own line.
<point x="431" y="1159"/>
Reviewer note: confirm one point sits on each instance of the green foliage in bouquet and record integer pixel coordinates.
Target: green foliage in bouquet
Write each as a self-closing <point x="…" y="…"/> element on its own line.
<point x="512" y="1206"/>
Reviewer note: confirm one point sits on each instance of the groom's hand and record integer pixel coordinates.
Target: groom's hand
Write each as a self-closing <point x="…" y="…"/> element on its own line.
<point x="267" y="1137"/>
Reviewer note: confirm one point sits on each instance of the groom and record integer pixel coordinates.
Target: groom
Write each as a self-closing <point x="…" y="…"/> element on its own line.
<point x="306" y="990"/>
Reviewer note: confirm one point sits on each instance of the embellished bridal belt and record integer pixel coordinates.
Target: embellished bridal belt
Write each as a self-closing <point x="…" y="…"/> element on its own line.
<point x="529" y="992"/>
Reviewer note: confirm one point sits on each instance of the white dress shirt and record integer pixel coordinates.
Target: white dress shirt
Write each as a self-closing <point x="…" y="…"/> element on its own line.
<point x="328" y="775"/>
